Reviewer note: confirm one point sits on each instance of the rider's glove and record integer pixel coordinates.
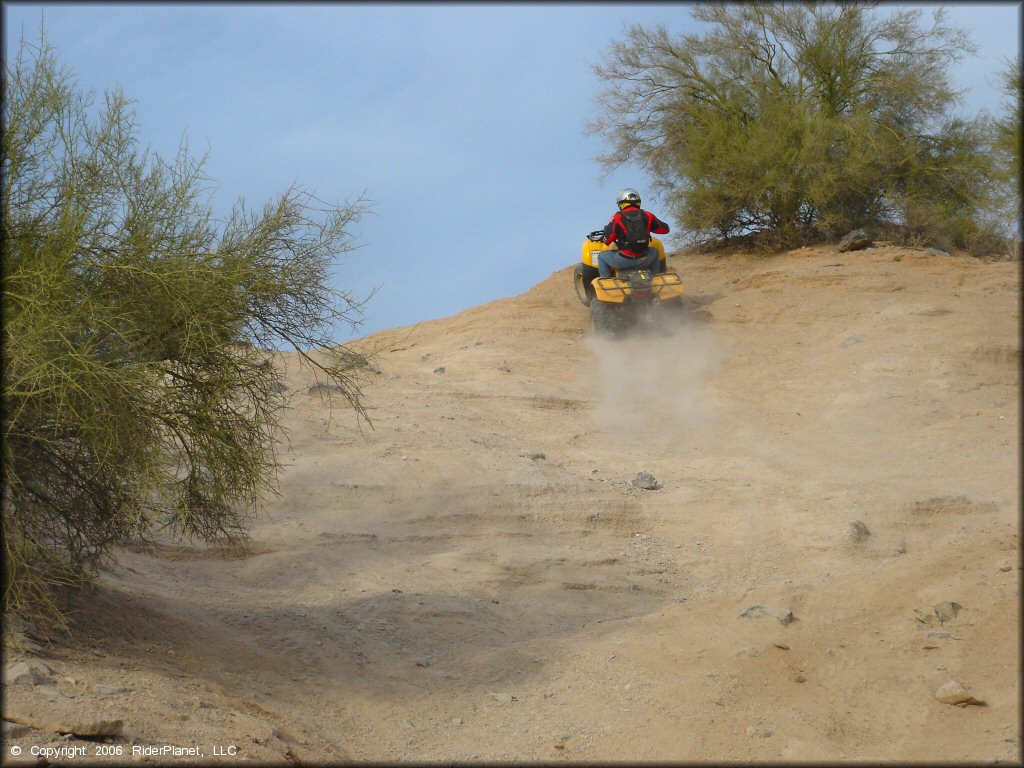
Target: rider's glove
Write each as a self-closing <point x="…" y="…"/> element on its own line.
<point x="597" y="236"/>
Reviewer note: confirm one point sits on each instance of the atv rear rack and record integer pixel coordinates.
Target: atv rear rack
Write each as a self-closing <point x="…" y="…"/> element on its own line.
<point x="664" y="286"/>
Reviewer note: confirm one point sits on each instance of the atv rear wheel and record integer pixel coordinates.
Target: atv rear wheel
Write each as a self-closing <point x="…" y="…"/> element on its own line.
<point x="673" y="308"/>
<point x="671" y="315"/>
<point x="604" y="318"/>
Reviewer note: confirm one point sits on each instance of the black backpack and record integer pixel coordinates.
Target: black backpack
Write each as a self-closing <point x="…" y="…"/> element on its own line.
<point x="638" y="236"/>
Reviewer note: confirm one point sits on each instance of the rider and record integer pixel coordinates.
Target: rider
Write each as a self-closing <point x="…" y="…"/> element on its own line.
<point x="636" y="251"/>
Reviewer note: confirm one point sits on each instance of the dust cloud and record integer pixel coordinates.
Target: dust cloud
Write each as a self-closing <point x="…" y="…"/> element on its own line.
<point x="650" y="383"/>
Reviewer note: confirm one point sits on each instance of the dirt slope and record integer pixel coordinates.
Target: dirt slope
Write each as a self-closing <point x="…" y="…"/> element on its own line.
<point x="476" y="578"/>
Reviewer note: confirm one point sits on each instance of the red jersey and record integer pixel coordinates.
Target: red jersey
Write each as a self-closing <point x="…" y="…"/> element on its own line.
<point x="616" y="228"/>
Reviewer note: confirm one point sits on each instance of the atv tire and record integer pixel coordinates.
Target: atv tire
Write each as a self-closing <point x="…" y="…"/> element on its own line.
<point x="673" y="308"/>
<point x="671" y="316"/>
<point x="582" y="277"/>
<point x="604" y="318"/>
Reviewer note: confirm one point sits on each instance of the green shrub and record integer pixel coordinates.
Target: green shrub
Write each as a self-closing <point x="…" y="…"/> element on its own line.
<point x="139" y="389"/>
<point x="801" y="122"/>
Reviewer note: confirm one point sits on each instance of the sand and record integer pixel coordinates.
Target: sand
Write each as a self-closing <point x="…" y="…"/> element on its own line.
<point x="476" y="578"/>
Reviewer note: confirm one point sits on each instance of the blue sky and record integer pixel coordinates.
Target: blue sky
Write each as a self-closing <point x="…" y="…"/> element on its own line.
<point x="463" y="122"/>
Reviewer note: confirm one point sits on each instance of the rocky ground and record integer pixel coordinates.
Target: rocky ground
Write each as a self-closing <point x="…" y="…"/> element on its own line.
<point x="789" y="530"/>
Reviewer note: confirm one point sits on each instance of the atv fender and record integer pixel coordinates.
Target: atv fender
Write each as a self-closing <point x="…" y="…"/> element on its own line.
<point x="667" y="286"/>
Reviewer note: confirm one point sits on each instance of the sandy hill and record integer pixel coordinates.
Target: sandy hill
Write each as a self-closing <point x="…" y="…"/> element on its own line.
<point x="476" y="577"/>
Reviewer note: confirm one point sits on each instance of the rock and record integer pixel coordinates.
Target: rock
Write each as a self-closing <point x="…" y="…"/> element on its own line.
<point x="858" y="531"/>
<point x="752" y="652"/>
<point x="850" y="341"/>
<point x="95" y="728"/>
<point x="504" y="698"/>
<point x="32" y="672"/>
<point x="798" y="679"/>
<point x="439" y="370"/>
<point x="646" y="481"/>
<point x="940" y="635"/>
<point x="407" y="725"/>
<point x="955" y="693"/>
<point x="282" y="735"/>
<point x="110" y="690"/>
<point x="936" y="252"/>
<point x="14" y="730"/>
<point x="760" y="611"/>
<point x="947" y="611"/>
<point x="855" y="241"/>
<point x="940" y="613"/>
<point x="86" y="729"/>
<point x="424" y="662"/>
<point x="18" y="636"/>
<point x="324" y="387"/>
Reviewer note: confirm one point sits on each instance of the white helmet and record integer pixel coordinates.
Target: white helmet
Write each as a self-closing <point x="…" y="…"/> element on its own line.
<point x="627" y="197"/>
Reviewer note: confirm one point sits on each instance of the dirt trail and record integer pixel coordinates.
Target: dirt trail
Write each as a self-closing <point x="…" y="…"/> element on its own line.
<point x="476" y="578"/>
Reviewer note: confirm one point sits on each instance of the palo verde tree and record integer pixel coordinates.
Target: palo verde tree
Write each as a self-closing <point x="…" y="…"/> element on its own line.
<point x="1006" y="147"/>
<point x="1008" y="129"/>
<point x="139" y="389"/>
<point x="800" y="121"/>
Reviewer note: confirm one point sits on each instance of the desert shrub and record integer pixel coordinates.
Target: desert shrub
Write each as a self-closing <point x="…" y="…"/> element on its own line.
<point x="1003" y="223"/>
<point x="139" y="389"/>
<point x="801" y="122"/>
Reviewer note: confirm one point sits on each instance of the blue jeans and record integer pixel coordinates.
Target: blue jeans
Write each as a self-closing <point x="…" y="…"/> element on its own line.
<point x="612" y="259"/>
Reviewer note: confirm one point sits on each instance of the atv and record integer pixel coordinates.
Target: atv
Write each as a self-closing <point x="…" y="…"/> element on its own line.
<point x="632" y="300"/>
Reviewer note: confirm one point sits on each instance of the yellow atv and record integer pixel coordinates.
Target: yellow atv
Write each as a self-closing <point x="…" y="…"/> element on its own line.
<point x="634" y="299"/>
